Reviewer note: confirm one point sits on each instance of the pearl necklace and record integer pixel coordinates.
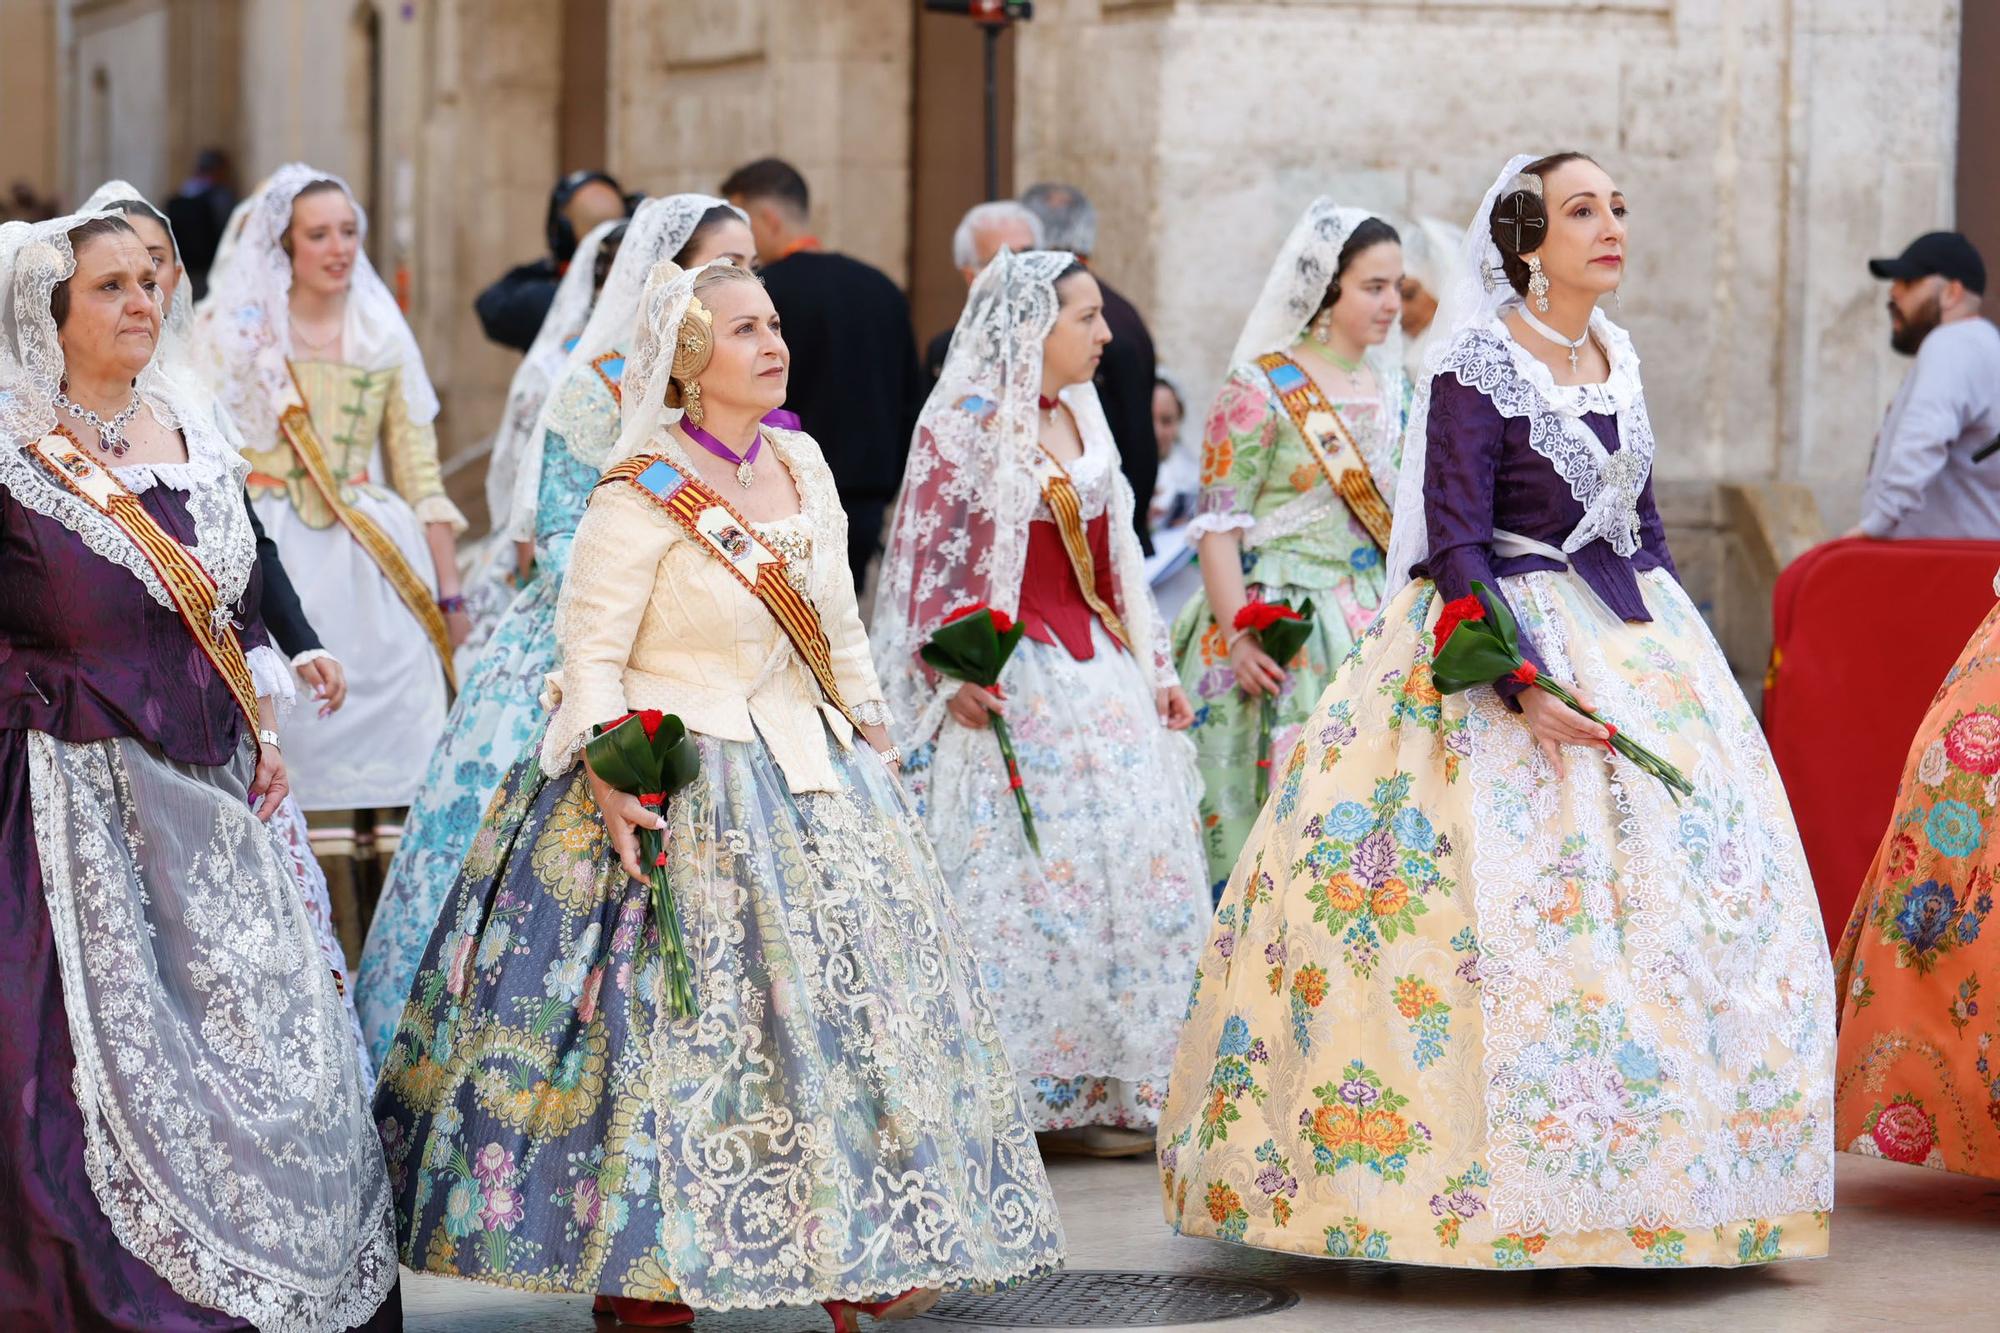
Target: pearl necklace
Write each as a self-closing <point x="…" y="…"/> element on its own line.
<point x="110" y="434"/>
<point x="1575" y="346"/>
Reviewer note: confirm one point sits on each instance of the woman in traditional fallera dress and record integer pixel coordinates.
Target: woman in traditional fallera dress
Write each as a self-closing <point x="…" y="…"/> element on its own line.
<point x="839" y="1122"/>
<point x="1919" y="1076"/>
<point x="1014" y="498"/>
<point x="498" y="714"/>
<point x="195" y="1151"/>
<point x="1298" y="474"/>
<point x="278" y="605"/>
<point x="498" y="565"/>
<point x="1480" y="993"/>
<point x="311" y="356"/>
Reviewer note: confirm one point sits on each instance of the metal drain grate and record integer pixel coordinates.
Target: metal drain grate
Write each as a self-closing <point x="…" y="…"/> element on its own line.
<point x="1095" y="1298"/>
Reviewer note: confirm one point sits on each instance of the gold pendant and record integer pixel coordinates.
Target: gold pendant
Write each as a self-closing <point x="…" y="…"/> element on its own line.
<point x="744" y="476"/>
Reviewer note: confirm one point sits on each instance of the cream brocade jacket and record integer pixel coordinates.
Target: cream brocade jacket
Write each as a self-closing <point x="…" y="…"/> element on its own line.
<point x="649" y="618"/>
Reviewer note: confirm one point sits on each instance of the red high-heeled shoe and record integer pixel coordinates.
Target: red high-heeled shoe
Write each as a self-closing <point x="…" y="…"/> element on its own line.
<point x="847" y="1314"/>
<point x="644" y="1314"/>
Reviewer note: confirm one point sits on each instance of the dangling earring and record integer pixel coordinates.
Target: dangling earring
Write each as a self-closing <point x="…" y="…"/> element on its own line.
<point x="1538" y="283"/>
<point x="1322" y="328"/>
<point x="691" y="403"/>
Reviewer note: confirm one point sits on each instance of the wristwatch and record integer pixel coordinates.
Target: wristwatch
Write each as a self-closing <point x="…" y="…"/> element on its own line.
<point x="266" y="736"/>
<point x="892" y="755"/>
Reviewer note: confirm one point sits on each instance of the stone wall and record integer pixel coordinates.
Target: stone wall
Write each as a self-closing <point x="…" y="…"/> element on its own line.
<point x="699" y="87"/>
<point x="1768" y="148"/>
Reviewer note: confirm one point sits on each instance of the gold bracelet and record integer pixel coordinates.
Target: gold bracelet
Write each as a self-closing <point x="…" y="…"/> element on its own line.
<point x="1229" y="645"/>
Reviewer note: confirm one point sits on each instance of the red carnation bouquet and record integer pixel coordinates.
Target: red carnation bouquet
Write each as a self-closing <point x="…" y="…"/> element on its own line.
<point x="1478" y="642"/>
<point x="973" y="644"/>
<point x="1280" y="631"/>
<point x="648" y="755"/>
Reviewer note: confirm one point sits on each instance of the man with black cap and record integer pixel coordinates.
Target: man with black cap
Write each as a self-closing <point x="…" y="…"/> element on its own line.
<point x="512" y="309"/>
<point x="1923" y="481"/>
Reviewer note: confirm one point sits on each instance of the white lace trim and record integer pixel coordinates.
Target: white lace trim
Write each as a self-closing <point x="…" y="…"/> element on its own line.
<point x="203" y="1209"/>
<point x="309" y="656"/>
<point x="1684" y="1160"/>
<point x="1202" y="524"/>
<point x="1607" y="485"/>
<point x="211" y="478"/>
<point x="271" y="676"/>
<point x="1293" y="516"/>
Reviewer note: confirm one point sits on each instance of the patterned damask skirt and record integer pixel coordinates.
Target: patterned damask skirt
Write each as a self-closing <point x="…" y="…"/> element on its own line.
<point x="839" y="1121"/>
<point x="1455" y="1010"/>
<point x="1917" y="1079"/>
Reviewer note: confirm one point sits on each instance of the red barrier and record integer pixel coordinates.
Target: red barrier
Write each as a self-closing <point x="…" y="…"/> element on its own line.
<point x="1864" y="632"/>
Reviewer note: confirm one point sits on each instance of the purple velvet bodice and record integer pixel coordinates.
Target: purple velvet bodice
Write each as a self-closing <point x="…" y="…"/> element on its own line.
<point x="1480" y="474"/>
<point x="87" y="654"/>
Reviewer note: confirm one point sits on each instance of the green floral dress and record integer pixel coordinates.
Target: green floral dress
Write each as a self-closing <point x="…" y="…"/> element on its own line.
<point x="1260" y="478"/>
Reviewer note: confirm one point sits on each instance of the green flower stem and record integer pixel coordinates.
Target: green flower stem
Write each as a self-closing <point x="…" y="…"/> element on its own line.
<point x="1267" y="720"/>
<point x="1006" y="739"/>
<point x="679" y="976"/>
<point x="1670" y="777"/>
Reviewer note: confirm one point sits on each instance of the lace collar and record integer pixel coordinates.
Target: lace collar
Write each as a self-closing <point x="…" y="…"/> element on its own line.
<point x="1519" y="386"/>
<point x="1613" y="395"/>
<point x="211" y="478"/>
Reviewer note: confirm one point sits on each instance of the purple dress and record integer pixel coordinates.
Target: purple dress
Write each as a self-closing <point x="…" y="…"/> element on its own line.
<point x="1481" y="476"/>
<point x="85" y="655"/>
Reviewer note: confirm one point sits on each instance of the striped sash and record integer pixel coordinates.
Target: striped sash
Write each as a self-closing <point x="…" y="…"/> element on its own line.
<point x="1332" y="444"/>
<point x="295" y="423"/>
<point x="729" y="537"/>
<point x="1067" y="509"/>
<point x="188" y="585"/>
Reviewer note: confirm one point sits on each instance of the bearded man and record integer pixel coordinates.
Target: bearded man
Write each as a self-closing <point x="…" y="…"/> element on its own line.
<point x="1927" y="478"/>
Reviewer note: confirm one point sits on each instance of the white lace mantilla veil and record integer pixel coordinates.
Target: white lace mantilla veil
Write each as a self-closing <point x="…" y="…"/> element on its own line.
<point x="227" y="1133"/>
<point x="1478" y="350"/>
<point x="243" y="329"/>
<point x="970" y="489"/>
<point x="536" y="375"/>
<point x="1291" y="296"/>
<point x="1476" y="295"/>
<point x="659" y="229"/>
<point x="34" y="258"/>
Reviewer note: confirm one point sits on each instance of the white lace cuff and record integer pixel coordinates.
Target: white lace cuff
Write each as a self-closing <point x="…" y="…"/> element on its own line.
<point x="440" y="509"/>
<point x="309" y="656"/>
<point x="271" y="676"/>
<point x="872" y="713"/>
<point x="1202" y="524"/>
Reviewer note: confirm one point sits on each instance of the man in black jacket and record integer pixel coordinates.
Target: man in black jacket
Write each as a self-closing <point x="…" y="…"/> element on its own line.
<point x="512" y="309"/>
<point x="1125" y="375"/>
<point x="855" y="383"/>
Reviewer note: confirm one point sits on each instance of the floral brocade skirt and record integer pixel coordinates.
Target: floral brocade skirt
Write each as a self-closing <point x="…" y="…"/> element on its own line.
<point x="1917" y="1080"/>
<point x="1457" y="1010"/>
<point x="839" y="1121"/>
<point x="1226" y="719"/>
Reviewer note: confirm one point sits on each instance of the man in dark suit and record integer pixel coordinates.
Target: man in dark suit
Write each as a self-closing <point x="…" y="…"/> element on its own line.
<point x="1125" y="376"/>
<point x="855" y="383"/>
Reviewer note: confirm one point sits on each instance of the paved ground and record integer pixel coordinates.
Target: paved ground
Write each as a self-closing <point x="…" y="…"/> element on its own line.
<point x="1911" y="1249"/>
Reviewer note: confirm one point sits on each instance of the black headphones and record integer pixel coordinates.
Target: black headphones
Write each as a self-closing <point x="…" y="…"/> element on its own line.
<point x="561" y="235"/>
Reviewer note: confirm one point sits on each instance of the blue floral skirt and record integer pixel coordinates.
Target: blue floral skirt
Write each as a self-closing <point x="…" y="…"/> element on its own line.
<point x="840" y="1120"/>
<point x="494" y="721"/>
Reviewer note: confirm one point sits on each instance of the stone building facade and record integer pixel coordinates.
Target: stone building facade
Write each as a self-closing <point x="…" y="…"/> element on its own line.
<point x="1768" y="147"/>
